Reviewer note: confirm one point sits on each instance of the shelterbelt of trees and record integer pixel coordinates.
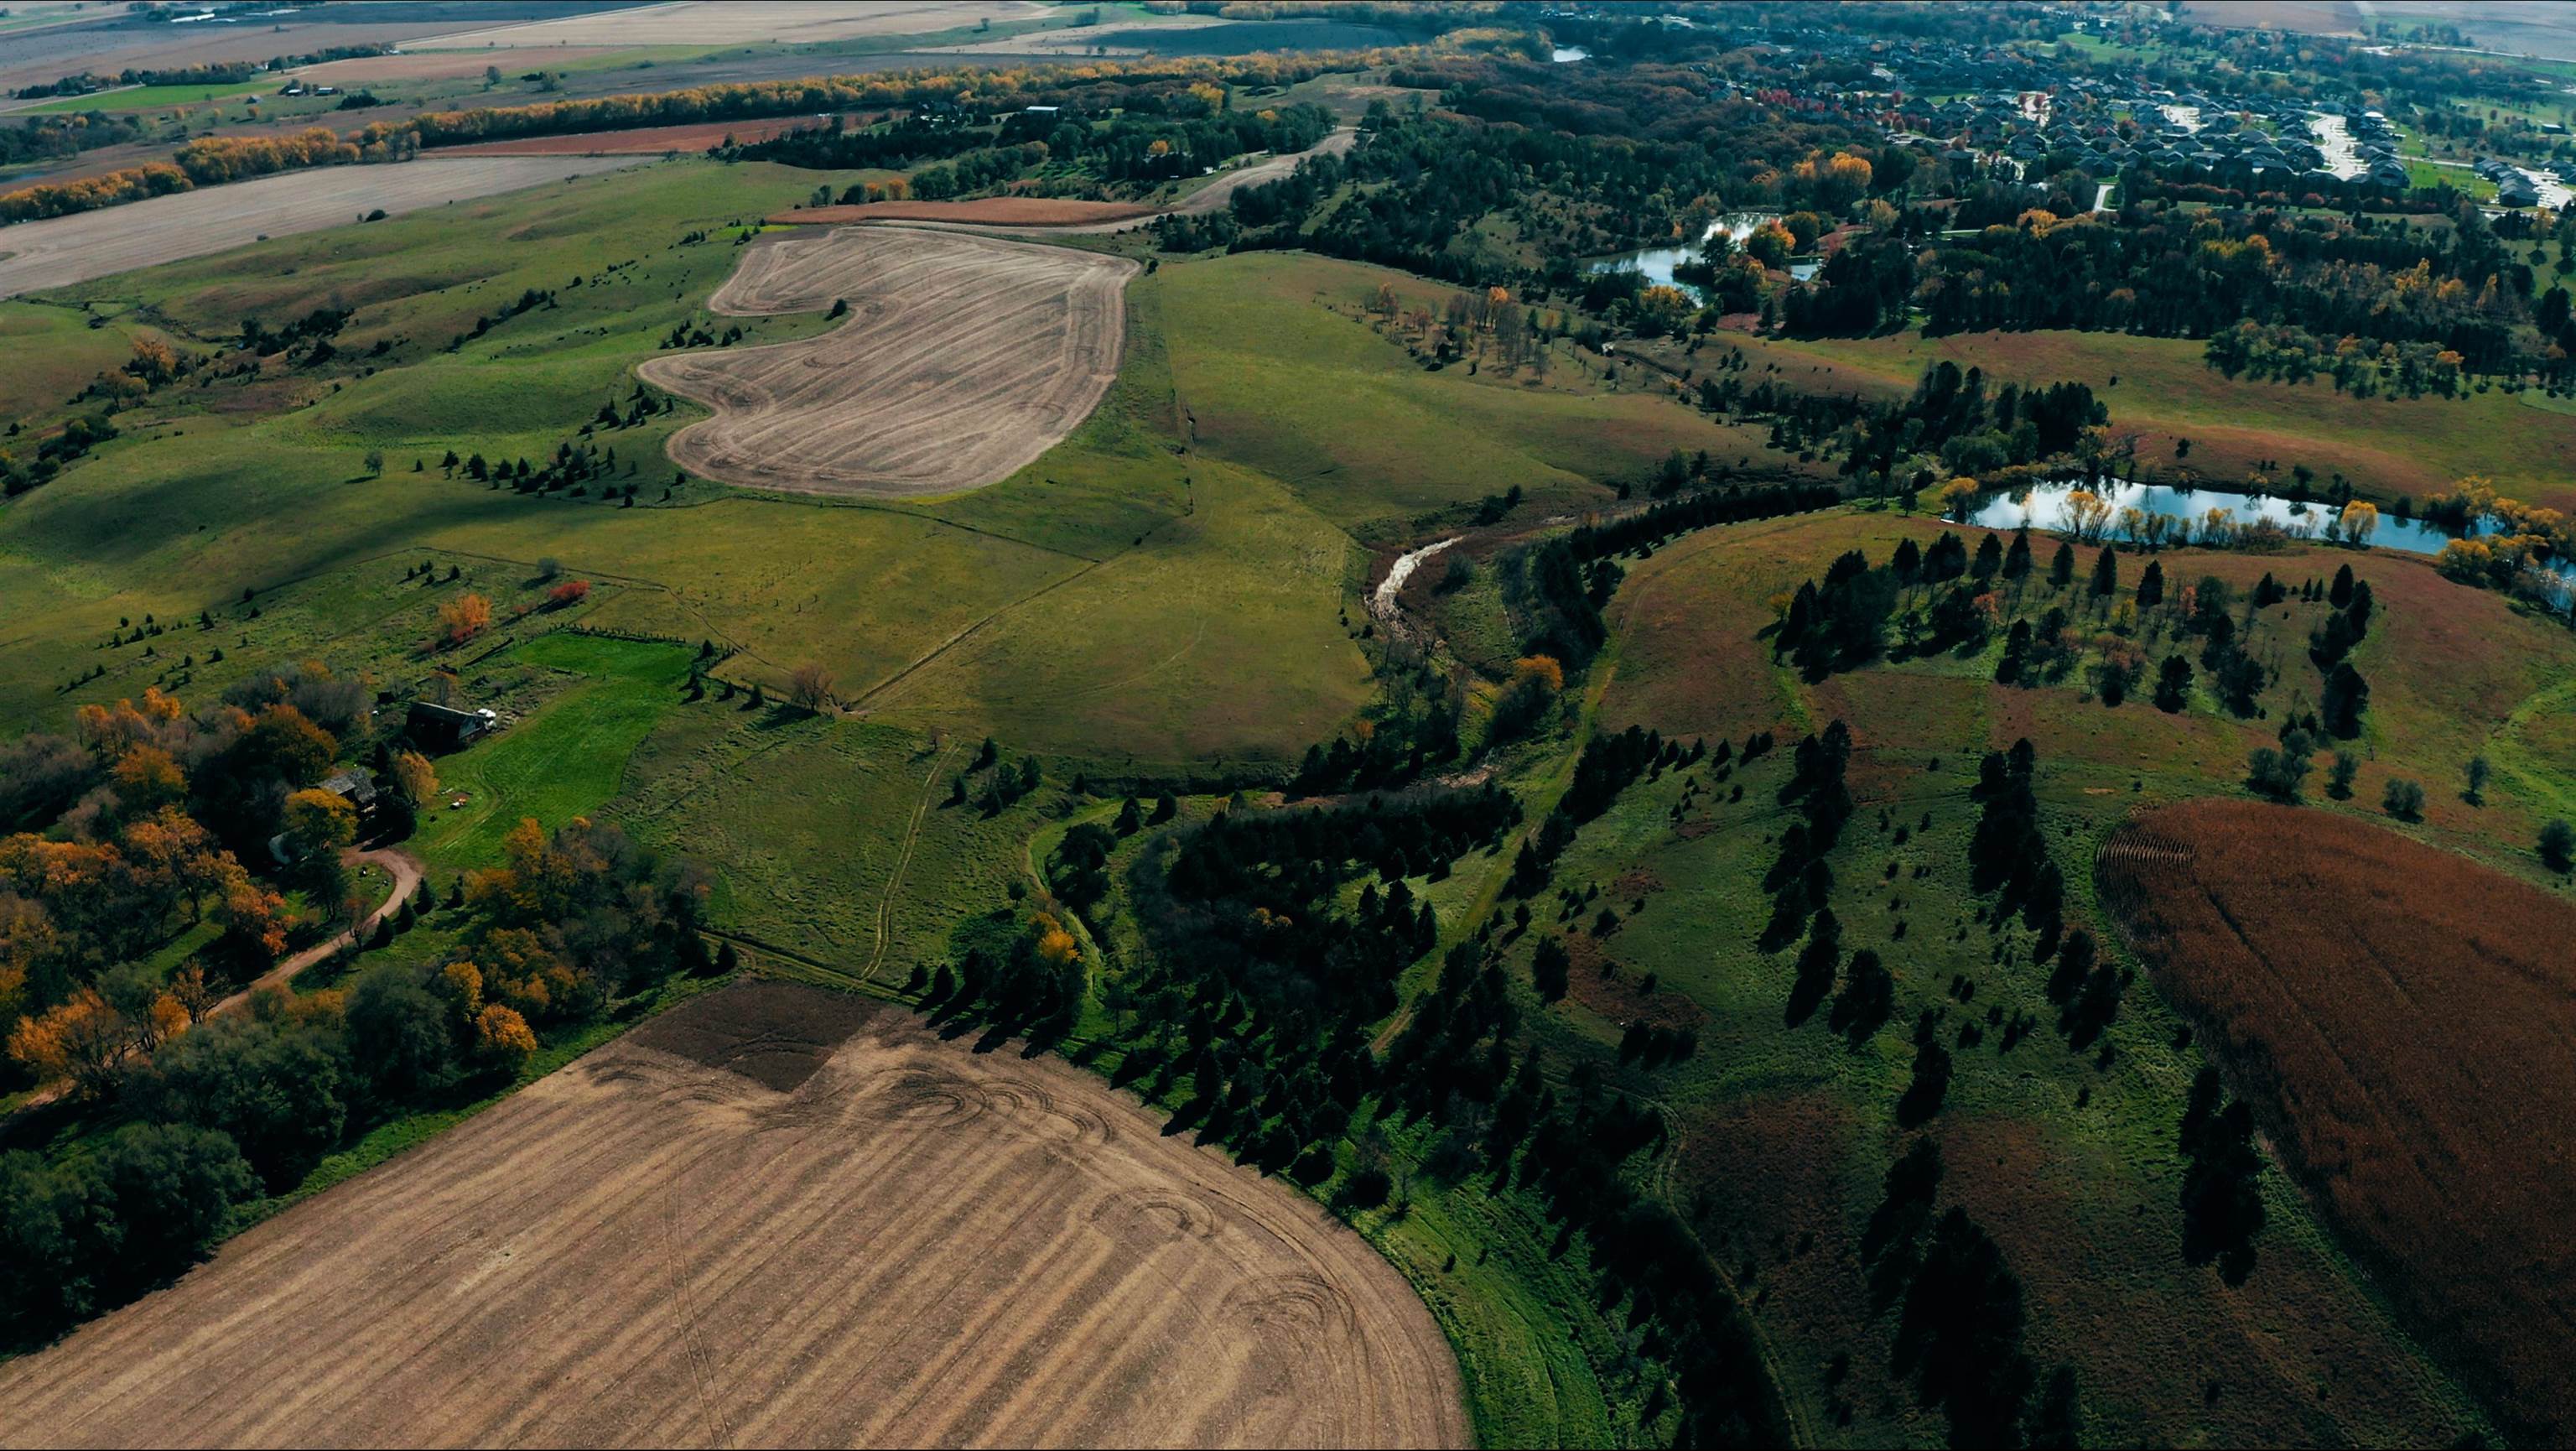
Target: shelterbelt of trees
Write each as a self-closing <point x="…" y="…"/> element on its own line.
<point x="209" y="161"/>
<point x="1095" y="86"/>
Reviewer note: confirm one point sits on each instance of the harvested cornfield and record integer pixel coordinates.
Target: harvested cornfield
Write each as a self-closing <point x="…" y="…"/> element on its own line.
<point x="999" y="211"/>
<point x="59" y="251"/>
<point x="964" y="358"/>
<point x="775" y="1217"/>
<point x="2401" y="1016"/>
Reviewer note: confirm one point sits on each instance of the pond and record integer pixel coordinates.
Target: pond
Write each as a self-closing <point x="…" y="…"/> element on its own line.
<point x="2044" y="507"/>
<point x="1658" y="262"/>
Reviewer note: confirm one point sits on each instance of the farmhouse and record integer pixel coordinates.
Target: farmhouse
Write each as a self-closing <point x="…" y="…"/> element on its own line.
<point x="444" y="728"/>
<point x="358" y="785"/>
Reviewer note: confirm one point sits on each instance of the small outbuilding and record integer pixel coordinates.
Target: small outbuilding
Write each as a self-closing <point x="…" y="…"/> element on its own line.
<point x="445" y="728"/>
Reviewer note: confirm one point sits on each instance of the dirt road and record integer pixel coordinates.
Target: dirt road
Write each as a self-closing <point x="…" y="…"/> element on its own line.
<point x="405" y="870"/>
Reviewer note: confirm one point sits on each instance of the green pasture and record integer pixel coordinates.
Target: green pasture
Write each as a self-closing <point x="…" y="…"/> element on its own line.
<point x="2164" y="392"/>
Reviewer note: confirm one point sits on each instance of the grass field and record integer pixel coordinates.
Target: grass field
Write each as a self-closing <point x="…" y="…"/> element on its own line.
<point x="1171" y="590"/>
<point x="2385" y="446"/>
<point x="1279" y="374"/>
<point x="1129" y="551"/>
<point x="54" y="353"/>
<point x="60" y="251"/>
<point x="565" y="759"/>
<point x="145" y="98"/>
<point x="2396" y="1011"/>
<point x="2067" y="1157"/>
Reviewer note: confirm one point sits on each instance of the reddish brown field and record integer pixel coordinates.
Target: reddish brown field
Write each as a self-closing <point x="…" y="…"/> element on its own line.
<point x="775" y="1217"/>
<point x="645" y="141"/>
<point x="1000" y="211"/>
<point x="2403" y="1018"/>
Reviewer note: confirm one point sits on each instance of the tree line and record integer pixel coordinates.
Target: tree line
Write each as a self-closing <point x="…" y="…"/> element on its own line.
<point x="201" y="1120"/>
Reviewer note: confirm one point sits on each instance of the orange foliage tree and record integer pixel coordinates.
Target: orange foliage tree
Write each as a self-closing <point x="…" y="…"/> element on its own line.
<point x="463" y="618"/>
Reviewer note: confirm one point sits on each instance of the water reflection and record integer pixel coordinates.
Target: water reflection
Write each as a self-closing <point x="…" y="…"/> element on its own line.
<point x="2045" y="507"/>
<point x="1658" y="263"/>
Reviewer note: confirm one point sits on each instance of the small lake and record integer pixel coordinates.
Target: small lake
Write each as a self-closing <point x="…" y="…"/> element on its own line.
<point x="1658" y="262"/>
<point x="2044" y="507"/>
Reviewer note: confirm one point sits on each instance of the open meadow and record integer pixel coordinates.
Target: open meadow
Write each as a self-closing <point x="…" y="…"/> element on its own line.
<point x="778" y="1216"/>
<point x="2059" y="1138"/>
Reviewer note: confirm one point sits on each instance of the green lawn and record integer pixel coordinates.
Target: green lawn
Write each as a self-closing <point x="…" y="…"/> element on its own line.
<point x="145" y="98"/>
<point x="565" y="759"/>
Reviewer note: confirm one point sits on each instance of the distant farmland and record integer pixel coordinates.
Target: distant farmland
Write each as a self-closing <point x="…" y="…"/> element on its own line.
<point x="776" y="1217"/>
<point x="2402" y="1015"/>
<point x="696" y="136"/>
<point x="60" y="251"/>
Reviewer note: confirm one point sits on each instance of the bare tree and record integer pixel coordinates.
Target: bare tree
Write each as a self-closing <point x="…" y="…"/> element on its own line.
<point x="810" y="686"/>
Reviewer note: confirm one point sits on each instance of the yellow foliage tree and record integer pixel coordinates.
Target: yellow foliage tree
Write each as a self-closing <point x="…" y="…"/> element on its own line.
<point x="1541" y="668"/>
<point x="147" y="779"/>
<point x="503" y="1039"/>
<point x="318" y="821"/>
<point x="413" y="778"/>
<point x="1955" y="497"/>
<point x="80" y="1040"/>
<point x="461" y="983"/>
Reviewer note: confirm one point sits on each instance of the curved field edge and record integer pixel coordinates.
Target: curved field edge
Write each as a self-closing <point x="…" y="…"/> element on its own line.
<point x="1020" y="343"/>
<point x="669" y="1174"/>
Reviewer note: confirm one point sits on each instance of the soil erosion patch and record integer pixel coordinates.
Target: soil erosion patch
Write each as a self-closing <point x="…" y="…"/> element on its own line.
<point x="964" y="358"/>
<point x="916" y="1246"/>
<point x="2402" y="1016"/>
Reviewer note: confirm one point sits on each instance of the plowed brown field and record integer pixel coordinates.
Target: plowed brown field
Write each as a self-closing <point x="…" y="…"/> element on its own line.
<point x="775" y="1217"/>
<point x="964" y="358"/>
<point x="2404" y="1018"/>
<point x="59" y="251"/>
